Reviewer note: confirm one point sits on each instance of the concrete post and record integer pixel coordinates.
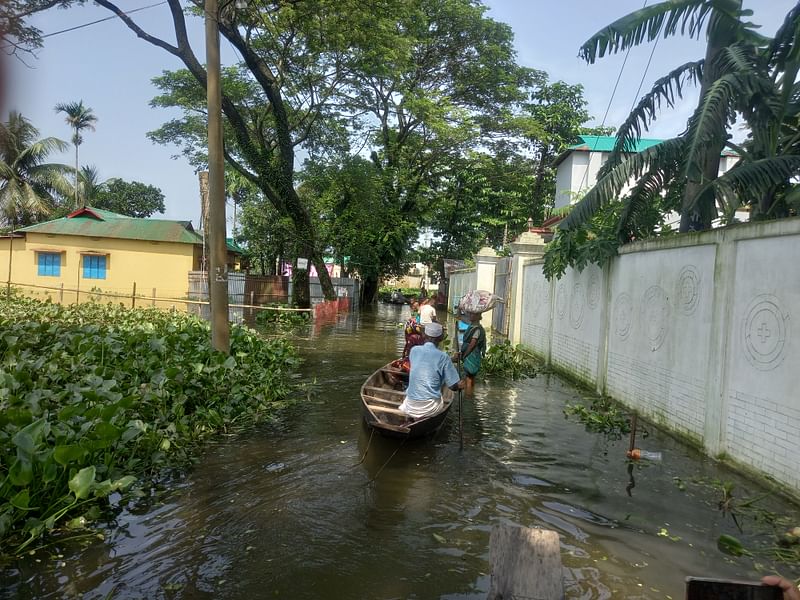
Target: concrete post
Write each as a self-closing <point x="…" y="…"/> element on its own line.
<point x="485" y="265"/>
<point x="526" y="247"/>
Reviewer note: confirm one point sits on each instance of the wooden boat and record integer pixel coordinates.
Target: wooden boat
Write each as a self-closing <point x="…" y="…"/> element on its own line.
<point x="382" y="394"/>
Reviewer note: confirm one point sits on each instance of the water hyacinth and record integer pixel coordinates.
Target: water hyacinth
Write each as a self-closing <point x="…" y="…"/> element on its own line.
<point x="95" y="397"/>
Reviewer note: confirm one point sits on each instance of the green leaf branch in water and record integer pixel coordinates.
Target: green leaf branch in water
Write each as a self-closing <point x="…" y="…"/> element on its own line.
<point x="95" y="398"/>
<point x="507" y="360"/>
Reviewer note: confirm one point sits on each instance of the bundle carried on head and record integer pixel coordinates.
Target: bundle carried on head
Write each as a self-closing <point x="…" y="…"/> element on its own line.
<point x="477" y="301"/>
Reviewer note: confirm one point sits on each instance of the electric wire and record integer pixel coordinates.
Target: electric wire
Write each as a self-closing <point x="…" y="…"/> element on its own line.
<point x="585" y="178"/>
<point x="76" y="27"/>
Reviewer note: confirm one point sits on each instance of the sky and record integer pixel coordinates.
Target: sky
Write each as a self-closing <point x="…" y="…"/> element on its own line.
<point x="110" y="69"/>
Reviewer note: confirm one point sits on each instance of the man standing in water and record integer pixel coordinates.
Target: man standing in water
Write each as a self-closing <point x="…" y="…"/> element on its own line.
<point x="427" y="312"/>
<point x="430" y="370"/>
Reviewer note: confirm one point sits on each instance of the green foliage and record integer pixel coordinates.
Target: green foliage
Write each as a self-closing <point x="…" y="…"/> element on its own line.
<point x="602" y="415"/>
<point x="507" y="360"/>
<point x="30" y="187"/>
<point x="130" y="198"/>
<point x="346" y="194"/>
<point x="385" y="291"/>
<point x="282" y="318"/>
<point x="95" y="397"/>
<point x="742" y="73"/>
<point x="581" y="246"/>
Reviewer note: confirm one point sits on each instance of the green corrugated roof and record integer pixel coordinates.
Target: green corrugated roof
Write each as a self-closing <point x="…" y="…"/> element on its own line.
<point x="605" y="143"/>
<point x="233" y="246"/>
<point x="600" y="143"/>
<point x="94" y="222"/>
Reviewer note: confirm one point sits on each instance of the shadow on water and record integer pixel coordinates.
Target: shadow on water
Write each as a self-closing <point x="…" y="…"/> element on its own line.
<point x="292" y="512"/>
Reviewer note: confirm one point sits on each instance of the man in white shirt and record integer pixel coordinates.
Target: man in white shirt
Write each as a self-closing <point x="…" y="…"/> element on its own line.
<point x="427" y="312"/>
<point x="430" y="370"/>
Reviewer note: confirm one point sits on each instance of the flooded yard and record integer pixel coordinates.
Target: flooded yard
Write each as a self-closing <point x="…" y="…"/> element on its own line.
<point x="290" y="512"/>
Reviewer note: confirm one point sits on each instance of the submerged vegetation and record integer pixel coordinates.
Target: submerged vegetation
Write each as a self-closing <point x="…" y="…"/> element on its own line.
<point x="95" y="399"/>
<point x="602" y="415"/>
<point x="507" y="360"/>
<point x="281" y="317"/>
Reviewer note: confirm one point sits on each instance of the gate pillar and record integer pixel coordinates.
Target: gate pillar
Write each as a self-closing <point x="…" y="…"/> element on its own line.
<point x="485" y="265"/>
<point x="527" y="247"/>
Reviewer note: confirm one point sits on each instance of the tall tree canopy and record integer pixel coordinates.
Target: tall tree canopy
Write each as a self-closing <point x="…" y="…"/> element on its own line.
<point x="80" y="118"/>
<point x="131" y="198"/>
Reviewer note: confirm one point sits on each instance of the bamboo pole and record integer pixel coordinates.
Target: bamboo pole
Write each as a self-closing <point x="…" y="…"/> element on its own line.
<point x="133" y="296"/>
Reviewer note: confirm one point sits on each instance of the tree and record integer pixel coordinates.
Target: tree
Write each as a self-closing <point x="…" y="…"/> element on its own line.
<point x="90" y="185"/>
<point x="356" y="219"/>
<point x="130" y="198"/>
<point x="294" y="56"/>
<point x="742" y="73"/>
<point x="80" y="118"/>
<point x="29" y="186"/>
<point x="437" y="93"/>
<point x="483" y="201"/>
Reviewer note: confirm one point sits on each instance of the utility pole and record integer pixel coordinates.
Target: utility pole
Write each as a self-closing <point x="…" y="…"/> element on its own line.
<point x="218" y="272"/>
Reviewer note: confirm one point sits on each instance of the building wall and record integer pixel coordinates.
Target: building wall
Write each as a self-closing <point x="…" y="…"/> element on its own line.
<point x="693" y="331"/>
<point x="572" y="176"/>
<point x="160" y="265"/>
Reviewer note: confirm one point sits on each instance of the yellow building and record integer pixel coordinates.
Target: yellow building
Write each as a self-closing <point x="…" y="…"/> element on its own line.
<point x="93" y="251"/>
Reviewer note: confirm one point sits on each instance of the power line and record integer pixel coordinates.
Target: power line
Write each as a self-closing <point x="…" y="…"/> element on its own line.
<point x="130" y="12"/>
<point x="608" y="108"/>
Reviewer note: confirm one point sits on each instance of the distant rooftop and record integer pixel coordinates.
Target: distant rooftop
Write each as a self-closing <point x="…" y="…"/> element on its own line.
<point x="95" y="222"/>
<point x="605" y="143"/>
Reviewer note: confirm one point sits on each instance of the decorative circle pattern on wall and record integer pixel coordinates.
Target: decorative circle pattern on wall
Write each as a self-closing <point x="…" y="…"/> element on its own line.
<point x="765" y="328"/>
<point x="593" y="288"/>
<point x="561" y="300"/>
<point x="623" y="315"/>
<point x="687" y="291"/>
<point x="576" y="306"/>
<point x="655" y="315"/>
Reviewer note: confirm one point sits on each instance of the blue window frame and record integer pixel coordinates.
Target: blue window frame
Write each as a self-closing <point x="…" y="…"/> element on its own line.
<point x="49" y="264"/>
<point x="94" y="267"/>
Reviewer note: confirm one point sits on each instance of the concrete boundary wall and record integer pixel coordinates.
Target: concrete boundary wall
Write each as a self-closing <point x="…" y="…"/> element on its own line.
<point x="699" y="332"/>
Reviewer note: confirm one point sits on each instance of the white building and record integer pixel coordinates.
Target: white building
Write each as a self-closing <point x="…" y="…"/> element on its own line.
<point x="577" y="167"/>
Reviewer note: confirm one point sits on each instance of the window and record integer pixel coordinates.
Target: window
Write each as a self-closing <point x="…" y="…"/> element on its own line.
<point x="49" y="264"/>
<point x="94" y="267"/>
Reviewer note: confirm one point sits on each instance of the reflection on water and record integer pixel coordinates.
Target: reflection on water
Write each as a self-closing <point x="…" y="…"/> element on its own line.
<point x="293" y="513"/>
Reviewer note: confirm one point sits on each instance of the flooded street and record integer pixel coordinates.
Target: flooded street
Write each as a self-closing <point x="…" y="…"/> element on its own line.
<point x="291" y="513"/>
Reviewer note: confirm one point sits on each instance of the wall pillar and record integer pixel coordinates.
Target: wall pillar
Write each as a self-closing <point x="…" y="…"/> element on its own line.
<point x="527" y="246"/>
<point x="485" y="264"/>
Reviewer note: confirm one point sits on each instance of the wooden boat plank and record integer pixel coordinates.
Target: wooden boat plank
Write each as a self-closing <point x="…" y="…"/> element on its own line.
<point x="372" y="400"/>
<point x="394" y="371"/>
<point x="397" y="428"/>
<point x="372" y="389"/>
<point x="391" y="411"/>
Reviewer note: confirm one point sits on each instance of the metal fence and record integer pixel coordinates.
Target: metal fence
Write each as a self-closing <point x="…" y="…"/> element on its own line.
<point x="198" y="290"/>
<point x="345" y="287"/>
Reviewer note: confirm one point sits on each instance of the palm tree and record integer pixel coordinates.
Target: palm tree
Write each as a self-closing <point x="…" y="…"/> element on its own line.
<point x="80" y="118"/>
<point x="28" y="185"/>
<point x="90" y="184"/>
<point x="742" y="73"/>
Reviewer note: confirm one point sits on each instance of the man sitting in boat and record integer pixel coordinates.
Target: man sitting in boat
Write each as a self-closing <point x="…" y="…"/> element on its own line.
<point x="430" y="370"/>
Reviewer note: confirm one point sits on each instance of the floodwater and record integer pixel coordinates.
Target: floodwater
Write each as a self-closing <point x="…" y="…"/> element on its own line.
<point x="292" y="513"/>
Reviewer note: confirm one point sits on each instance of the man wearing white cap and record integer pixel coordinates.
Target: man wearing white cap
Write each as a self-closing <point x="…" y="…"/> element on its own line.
<point x="430" y="370"/>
